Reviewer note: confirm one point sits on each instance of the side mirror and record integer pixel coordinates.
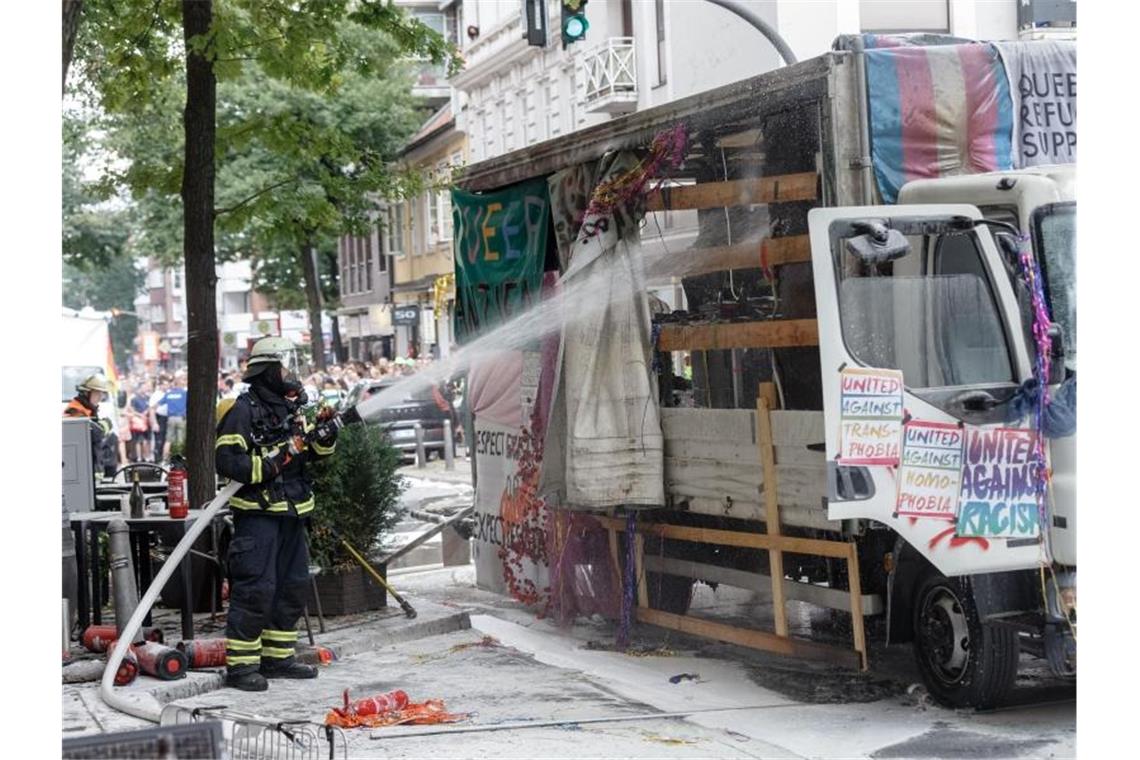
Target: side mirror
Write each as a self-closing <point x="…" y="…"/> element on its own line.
<point x="1010" y="249"/>
<point x="1056" y="354"/>
<point x="878" y="244"/>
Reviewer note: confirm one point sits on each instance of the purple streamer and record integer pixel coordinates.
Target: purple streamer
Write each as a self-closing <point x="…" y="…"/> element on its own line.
<point x="629" y="582"/>
<point x="1031" y="272"/>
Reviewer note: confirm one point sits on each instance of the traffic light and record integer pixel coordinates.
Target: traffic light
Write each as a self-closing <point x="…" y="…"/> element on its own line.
<point x="535" y="22"/>
<point x="574" y="23"/>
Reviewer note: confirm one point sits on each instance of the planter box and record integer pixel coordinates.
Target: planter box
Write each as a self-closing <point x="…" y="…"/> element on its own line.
<point x="348" y="591"/>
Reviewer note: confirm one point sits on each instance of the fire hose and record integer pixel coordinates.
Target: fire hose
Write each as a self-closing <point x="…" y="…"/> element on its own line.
<point x="147" y="707"/>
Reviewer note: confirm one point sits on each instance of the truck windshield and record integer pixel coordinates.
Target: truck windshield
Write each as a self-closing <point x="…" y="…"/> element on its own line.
<point x="1055" y="240"/>
<point x="931" y="313"/>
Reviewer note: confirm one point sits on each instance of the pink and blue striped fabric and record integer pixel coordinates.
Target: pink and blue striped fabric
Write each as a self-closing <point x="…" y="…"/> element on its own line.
<point x="937" y="111"/>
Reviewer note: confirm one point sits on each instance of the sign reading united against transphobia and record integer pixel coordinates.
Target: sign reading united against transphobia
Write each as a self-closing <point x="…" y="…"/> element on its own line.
<point x="930" y="475"/>
<point x="871" y="413"/>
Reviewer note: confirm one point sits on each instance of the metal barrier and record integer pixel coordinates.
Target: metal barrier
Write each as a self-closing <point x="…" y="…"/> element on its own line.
<point x="252" y="737"/>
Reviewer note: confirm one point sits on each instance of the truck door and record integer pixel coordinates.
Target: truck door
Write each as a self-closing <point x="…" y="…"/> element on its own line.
<point x="918" y="294"/>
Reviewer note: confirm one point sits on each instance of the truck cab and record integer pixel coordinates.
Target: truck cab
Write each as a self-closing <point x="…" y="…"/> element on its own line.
<point x="928" y="290"/>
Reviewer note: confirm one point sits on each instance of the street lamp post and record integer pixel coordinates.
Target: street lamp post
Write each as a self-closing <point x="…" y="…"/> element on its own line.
<point x="765" y="28"/>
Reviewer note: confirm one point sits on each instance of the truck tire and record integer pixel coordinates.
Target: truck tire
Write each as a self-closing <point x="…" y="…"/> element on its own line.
<point x="964" y="663"/>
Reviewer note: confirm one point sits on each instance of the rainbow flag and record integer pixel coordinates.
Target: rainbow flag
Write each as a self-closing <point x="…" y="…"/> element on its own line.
<point x="937" y="111"/>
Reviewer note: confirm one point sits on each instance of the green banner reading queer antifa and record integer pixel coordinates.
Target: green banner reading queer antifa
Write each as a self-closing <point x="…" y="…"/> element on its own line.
<point x="500" y="246"/>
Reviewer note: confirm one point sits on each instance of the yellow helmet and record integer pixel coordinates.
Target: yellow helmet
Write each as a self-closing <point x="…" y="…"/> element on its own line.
<point x="94" y="383"/>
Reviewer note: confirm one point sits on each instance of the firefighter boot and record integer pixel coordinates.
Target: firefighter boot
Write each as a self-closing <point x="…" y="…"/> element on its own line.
<point x="288" y="667"/>
<point x="248" y="680"/>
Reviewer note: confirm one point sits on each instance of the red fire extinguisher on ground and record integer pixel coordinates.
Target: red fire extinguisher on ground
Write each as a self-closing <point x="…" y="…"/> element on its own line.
<point x="176" y="489"/>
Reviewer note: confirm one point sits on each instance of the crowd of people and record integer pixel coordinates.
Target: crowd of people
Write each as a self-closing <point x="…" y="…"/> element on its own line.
<point x="152" y="421"/>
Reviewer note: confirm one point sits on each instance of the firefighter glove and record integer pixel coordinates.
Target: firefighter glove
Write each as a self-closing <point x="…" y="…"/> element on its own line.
<point x="273" y="465"/>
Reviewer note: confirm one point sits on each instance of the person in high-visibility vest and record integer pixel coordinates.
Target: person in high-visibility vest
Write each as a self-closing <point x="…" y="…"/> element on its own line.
<point x="88" y="395"/>
<point x="261" y="443"/>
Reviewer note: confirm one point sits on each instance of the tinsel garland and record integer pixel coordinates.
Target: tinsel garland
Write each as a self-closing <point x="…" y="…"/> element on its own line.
<point x="1031" y="272"/>
<point x="666" y="151"/>
<point x="629" y="582"/>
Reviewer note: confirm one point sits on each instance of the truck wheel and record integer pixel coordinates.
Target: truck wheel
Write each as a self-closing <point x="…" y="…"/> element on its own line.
<point x="963" y="662"/>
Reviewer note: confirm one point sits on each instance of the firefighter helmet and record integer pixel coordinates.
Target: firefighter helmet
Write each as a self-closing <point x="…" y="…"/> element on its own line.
<point x="94" y="383"/>
<point x="269" y="351"/>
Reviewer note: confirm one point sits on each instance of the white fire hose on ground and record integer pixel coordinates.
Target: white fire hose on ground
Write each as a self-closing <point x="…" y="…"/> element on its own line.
<point x="148" y="708"/>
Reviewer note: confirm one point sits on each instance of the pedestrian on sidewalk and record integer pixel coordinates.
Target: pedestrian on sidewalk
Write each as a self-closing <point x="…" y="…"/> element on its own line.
<point x="175" y="400"/>
<point x="261" y="443"/>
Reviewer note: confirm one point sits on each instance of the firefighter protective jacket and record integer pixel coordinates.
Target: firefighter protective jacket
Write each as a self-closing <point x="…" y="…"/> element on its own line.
<point x="254" y="430"/>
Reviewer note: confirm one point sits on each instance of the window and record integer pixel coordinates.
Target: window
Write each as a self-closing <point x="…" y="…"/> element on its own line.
<point x="507" y="108"/>
<point x="530" y="116"/>
<point x="895" y="16"/>
<point x="413" y="235"/>
<point x="381" y="259"/>
<point x="176" y="280"/>
<point x="1055" y="239"/>
<point x="934" y="317"/>
<point x="659" y="12"/>
<point x="553" y="117"/>
<point x="366" y="242"/>
<point x="342" y="251"/>
<point x="396" y="229"/>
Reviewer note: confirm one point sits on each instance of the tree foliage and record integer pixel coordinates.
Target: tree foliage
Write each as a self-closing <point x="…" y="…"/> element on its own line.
<point x="163" y="74"/>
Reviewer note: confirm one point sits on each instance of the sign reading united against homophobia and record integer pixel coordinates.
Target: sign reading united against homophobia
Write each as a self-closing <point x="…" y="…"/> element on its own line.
<point x="930" y="475"/>
<point x="870" y="418"/>
<point x="999" y="481"/>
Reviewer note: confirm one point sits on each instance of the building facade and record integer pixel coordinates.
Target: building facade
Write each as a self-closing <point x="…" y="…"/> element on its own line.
<point x="244" y="315"/>
<point x="641" y="53"/>
<point x="364" y="279"/>
<point x="418" y="238"/>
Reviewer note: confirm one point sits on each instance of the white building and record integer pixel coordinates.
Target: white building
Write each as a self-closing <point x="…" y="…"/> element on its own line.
<point x="642" y="53"/>
<point x="243" y="316"/>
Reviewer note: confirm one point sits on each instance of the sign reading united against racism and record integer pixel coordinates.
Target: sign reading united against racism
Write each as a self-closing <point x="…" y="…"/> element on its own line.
<point x="870" y="418"/>
<point x="930" y="474"/>
<point x="999" y="480"/>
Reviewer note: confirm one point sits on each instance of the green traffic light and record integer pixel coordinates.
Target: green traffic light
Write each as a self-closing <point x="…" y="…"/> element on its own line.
<point x="575" y="27"/>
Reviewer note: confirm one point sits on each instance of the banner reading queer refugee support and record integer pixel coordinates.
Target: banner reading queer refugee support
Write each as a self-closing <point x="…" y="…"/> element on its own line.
<point x="500" y="247"/>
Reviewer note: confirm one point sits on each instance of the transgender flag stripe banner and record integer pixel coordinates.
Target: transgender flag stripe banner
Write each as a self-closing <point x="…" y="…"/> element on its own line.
<point x="937" y="111"/>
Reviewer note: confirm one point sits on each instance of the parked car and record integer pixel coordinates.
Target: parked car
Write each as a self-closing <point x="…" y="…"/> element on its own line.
<point x="430" y="407"/>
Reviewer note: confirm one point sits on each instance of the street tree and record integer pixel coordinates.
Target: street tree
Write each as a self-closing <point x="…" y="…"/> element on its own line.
<point x="128" y="52"/>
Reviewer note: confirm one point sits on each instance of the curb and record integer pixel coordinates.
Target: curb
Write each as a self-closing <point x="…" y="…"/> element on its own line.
<point x="364" y="639"/>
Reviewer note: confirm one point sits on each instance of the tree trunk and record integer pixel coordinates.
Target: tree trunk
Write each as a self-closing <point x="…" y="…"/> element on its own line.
<point x="71" y="12"/>
<point x="198" y="250"/>
<point x="313" y="296"/>
<point x="338" y="344"/>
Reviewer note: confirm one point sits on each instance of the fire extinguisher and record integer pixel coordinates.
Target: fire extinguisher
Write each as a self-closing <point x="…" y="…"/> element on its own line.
<point x="176" y="489"/>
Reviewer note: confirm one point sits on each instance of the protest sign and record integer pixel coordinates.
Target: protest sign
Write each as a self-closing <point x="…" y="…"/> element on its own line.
<point x="999" y="480"/>
<point x="871" y="412"/>
<point x="930" y="475"/>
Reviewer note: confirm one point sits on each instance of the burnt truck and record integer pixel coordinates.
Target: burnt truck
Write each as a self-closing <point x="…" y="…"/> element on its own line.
<point x="846" y="385"/>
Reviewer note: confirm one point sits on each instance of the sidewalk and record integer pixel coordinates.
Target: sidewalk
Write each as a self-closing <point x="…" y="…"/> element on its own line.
<point x="347" y="636"/>
<point x="436" y="470"/>
<point x="511" y="670"/>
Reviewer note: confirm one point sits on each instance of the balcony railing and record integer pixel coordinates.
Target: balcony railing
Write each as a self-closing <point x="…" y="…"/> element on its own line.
<point x="611" y="76"/>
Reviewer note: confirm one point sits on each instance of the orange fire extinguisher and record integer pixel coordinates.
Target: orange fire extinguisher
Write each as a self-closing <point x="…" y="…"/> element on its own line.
<point x="176" y="489"/>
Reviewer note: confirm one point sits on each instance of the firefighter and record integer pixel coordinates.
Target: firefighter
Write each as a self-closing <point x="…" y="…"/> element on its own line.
<point x="261" y="444"/>
<point x="88" y="395"/>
